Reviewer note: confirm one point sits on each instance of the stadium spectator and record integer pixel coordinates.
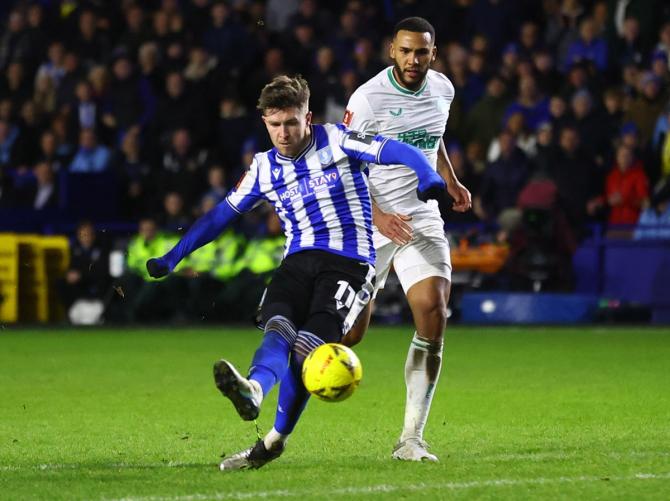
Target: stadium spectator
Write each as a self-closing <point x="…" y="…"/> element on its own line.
<point x="484" y="119"/>
<point x="659" y="66"/>
<point x="44" y="95"/>
<point x="525" y="140"/>
<point x="136" y="32"/>
<point x="148" y="58"/>
<point x="233" y="128"/>
<point x="589" y="124"/>
<point x="310" y="12"/>
<point x="9" y="133"/>
<point x="654" y="222"/>
<point x="7" y="199"/>
<point x="544" y="148"/>
<point x="173" y="218"/>
<point x="182" y="167"/>
<point x="323" y="79"/>
<point x="216" y="179"/>
<point x="628" y="45"/>
<point x="301" y="47"/>
<point x="197" y="15"/>
<point x="558" y="112"/>
<point x="279" y="14"/>
<point x="130" y="102"/>
<point x="14" y="86"/>
<point x="626" y="189"/>
<point x="366" y="62"/>
<point x="84" y="112"/>
<point x="54" y="66"/>
<point x="48" y="151"/>
<point x="645" y="109"/>
<point x="87" y="279"/>
<point x="547" y="76"/>
<point x="502" y="180"/>
<point x="92" y="45"/>
<point x="227" y="39"/>
<point x="177" y="109"/>
<point x="67" y="83"/>
<point x="199" y="69"/>
<point x="90" y="156"/>
<point x="43" y="193"/>
<point x="497" y="21"/>
<point x="253" y="269"/>
<point x="529" y="101"/>
<point x="336" y="102"/>
<point x="273" y="65"/>
<point x="568" y="163"/>
<point x="529" y="39"/>
<point x="612" y="104"/>
<point x="14" y="44"/>
<point x="135" y="178"/>
<point x="145" y="299"/>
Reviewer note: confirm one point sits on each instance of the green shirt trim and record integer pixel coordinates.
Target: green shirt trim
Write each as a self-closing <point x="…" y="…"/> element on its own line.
<point x="402" y="89"/>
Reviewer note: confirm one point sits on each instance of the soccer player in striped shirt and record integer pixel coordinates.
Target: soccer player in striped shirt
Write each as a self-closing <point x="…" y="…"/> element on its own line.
<point x="315" y="177"/>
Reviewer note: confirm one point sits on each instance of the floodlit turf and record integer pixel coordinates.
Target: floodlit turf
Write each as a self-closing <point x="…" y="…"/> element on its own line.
<point x="520" y="413"/>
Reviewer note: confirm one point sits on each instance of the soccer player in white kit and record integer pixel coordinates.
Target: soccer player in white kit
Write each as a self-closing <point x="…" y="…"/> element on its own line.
<point x="410" y="102"/>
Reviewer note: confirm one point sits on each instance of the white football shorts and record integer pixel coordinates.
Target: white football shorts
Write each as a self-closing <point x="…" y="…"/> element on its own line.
<point x="425" y="256"/>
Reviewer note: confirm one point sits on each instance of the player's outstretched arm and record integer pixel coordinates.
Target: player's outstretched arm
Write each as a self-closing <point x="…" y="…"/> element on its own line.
<point x="430" y="183"/>
<point x="203" y="231"/>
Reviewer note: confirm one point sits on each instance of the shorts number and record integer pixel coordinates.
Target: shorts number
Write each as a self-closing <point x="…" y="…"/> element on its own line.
<point x="344" y="288"/>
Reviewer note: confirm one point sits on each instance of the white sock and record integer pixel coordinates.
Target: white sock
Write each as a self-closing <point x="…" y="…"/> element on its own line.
<point x="273" y="437"/>
<point x="258" y="390"/>
<point x="422" y="370"/>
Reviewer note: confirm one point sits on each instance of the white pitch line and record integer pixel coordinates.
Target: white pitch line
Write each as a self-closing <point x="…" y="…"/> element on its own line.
<point x="373" y="489"/>
<point x="522" y="456"/>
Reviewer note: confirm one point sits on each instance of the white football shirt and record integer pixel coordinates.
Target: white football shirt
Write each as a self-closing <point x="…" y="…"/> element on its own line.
<point x="383" y="106"/>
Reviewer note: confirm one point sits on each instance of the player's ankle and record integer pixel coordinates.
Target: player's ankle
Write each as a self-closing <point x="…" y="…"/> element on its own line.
<point x="274" y="440"/>
<point x="258" y="390"/>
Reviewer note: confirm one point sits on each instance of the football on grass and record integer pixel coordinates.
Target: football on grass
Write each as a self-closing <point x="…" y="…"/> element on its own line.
<point x="331" y="372"/>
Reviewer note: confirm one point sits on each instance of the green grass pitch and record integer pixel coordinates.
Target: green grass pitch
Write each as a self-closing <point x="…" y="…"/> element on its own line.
<point x="545" y="413"/>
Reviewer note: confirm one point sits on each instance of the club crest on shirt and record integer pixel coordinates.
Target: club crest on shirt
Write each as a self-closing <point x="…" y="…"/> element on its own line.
<point x="325" y="155"/>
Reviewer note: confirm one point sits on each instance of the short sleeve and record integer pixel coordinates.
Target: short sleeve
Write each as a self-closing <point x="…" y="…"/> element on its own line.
<point x="246" y="195"/>
<point x="359" y="116"/>
<point x="361" y="146"/>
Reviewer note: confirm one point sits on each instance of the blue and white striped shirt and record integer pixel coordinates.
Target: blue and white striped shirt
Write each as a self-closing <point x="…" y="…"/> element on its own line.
<point x="321" y="195"/>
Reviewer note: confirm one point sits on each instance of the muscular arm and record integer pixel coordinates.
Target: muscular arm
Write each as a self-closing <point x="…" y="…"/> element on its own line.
<point x="460" y="194"/>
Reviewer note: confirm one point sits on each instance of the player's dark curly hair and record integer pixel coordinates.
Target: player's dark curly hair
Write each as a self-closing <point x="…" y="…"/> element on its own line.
<point x="284" y="92"/>
<point x="415" y="25"/>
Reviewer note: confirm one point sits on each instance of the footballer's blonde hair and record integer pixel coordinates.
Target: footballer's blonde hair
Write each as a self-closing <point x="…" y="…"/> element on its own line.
<point x="284" y="92"/>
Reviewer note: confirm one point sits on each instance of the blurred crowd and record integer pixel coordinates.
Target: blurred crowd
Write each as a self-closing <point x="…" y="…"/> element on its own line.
<point x="144" y="110"/>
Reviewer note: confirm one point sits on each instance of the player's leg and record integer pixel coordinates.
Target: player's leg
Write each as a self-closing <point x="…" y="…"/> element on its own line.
<point x="385" y="250"/>
<point x="355" y="335"/>
<point x="291" y="402"/>
<point x="424" y="270"/>
<point x="339" y="295"/>
<point x="285" y="301"/>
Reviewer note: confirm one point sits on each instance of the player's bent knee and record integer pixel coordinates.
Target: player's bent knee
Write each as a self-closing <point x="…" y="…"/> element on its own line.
<point x="354" y="336"/>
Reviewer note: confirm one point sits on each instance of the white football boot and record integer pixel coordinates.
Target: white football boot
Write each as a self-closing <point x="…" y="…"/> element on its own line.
<point x="413" y="449"/>
<point x="245" y="395"/>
